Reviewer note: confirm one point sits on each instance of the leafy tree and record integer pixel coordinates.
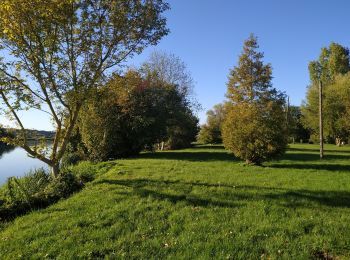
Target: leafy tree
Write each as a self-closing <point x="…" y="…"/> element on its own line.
<point x="131" y="113"/>
<point x="211" y="131"/>
<point x="59" y="51"/>
<point x="182" y="128"/>
<point x="296" y="130"/>
<point x="168" y="69"/>
<point x="122" y="118"/>
<point x="333" y="61"/>
<point x="337" y="105"/>
<point x="254" y="127"/>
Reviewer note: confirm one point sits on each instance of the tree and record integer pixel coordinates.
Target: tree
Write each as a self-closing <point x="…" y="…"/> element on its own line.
<point x="131" y="113"/>
<point x="119" y="120"/>
<point x="337" y="106"/>
<point x="211" y="131"/>
<point x="169" y="69"/>
<point x="255" y="125"/>
<point x="296" y="130"/>
<point x="182" y="127"/>
<point x="59" y="51"/>
<point x="333" y="61"/>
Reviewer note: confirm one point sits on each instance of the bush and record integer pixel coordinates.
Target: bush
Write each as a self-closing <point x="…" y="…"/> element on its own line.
<point x="38" y="189"/>
<point x="255" y="134"/>
<point x="70" y="159"/>
<point x="84" y="171"/>
<point x="61" y="187"/>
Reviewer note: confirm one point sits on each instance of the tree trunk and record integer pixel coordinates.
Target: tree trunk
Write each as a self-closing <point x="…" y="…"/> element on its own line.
<point x="321" y="118"/>
<point x="55" y="170"/>
<point x="338" y="141"/>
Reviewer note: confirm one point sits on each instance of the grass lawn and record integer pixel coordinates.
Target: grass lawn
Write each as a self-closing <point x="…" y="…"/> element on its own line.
<point x="198" y="203"/>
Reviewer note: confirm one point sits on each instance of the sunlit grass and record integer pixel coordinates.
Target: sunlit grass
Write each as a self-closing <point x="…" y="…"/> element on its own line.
<point x="198" y="203"/>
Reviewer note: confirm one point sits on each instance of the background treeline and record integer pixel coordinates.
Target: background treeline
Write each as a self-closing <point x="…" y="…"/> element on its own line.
<point x="147" y="108"/>
<point x="4" y="146"/>
<point x="302" y="122"/>
<point x="332" y="68"/>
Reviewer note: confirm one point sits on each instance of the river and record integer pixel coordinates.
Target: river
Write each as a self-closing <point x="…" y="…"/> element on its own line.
<point x="16" y="162"/>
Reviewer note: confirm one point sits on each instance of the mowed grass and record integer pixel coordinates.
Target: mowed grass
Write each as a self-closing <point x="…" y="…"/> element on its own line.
<point x="198" y="203"/>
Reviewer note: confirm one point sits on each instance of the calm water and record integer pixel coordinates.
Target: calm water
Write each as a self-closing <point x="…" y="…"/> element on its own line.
<point x="15" y="162"/>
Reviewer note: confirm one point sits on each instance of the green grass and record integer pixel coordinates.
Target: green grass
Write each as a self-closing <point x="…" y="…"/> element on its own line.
<point x="198" y="203"/>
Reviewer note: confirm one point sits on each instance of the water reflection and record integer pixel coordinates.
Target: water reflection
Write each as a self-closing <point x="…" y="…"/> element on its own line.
<point x="14" y="161"/>
<point x="5" y="149"/>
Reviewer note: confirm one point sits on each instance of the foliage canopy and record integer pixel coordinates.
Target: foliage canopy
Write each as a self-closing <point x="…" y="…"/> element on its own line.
<point x="58" y="51"/>
<point x="255" y="126"/>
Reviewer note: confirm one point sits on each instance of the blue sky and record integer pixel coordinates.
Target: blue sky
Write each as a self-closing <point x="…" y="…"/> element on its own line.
<point x="208" y="36"/>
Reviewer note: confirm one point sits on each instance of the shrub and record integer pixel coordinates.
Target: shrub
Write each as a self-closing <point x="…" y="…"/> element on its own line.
<point x="84" y="171"/>
<point x="61" y="187"/>
<point x="255" y="134"/>
<point x="70" y="159"/>
<point x="38" y="189"/>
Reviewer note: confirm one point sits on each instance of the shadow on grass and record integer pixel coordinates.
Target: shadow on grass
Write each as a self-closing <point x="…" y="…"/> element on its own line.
<point x="303" y="159"/>
<point x="190" y="156"/>
<point x="229" y="196"/>
<point x="309" y="166"/>
<point x="304" y="156"/>
<point x="316" y="151"/>
<point x="208" y="146"/>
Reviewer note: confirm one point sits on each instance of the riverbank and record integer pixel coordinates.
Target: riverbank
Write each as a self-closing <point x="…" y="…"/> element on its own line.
<point x="198" y="203"/>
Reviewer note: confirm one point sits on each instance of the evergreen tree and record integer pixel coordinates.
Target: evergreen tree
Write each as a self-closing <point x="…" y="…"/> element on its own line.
<point x="255" y="125"/>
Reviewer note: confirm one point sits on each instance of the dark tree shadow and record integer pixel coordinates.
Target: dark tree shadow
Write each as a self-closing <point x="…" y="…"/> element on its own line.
<point x="305" y="166"/>
<point x="139" y="189"/>
<point x="208" y="146"/>
<point x="190" y="156"/>
<point x="307" y="150"/>
<point x="313" y="156"/>
<point x="232" y="196"/>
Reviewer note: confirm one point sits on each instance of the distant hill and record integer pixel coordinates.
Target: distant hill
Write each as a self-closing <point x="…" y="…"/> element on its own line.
<point x="34" y="134"/>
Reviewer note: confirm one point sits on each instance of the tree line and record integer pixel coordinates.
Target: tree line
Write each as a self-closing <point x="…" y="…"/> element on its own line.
<point x="256" y="121"/>
<point x="58" y="54"/>
<point x="150" y="108"/>
<point x="64" y="58"/>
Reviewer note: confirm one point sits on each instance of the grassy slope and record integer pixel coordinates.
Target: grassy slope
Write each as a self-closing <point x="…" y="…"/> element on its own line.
<point x="198" y="203"/>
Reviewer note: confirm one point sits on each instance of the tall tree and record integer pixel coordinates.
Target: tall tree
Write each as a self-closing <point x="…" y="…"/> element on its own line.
<point x="255" y="125"/>
<point x="333" y="61"/>
<point x="166" y="69"/>
<point x="169" y="69"/>
<point x="57" y="51"/>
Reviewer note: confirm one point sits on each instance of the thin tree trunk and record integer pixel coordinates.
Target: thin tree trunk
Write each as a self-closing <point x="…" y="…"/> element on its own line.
<point x="321" y="118"/>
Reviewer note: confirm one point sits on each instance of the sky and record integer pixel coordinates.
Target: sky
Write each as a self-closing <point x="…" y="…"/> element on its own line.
<point x="208" y="36"/>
